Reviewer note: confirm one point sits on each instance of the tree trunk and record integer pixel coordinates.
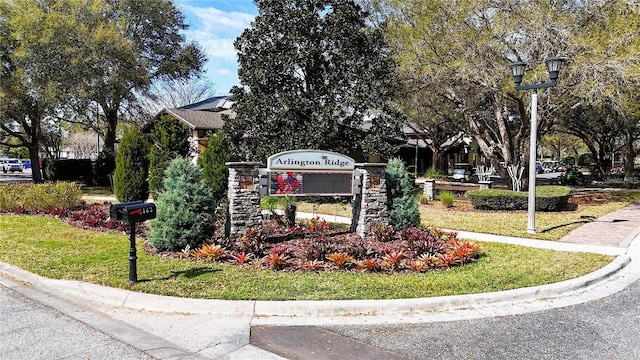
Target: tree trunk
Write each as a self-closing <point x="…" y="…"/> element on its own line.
<point x="34" y="156"/>
<point x="435" y="157"/>
<point x="630" y="156"/>
<point x="110" y="136"/>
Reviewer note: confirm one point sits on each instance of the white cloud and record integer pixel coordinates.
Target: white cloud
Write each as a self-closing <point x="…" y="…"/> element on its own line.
<point x="215" y="30"/>
<point x="214" y="46"/>
<point x="218" y="21"/>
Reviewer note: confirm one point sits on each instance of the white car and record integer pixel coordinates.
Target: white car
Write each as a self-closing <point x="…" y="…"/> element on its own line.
<point x="10" y="165"/>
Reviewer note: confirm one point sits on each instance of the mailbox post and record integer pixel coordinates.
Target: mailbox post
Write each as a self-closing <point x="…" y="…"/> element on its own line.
<point x="134" y="212"/>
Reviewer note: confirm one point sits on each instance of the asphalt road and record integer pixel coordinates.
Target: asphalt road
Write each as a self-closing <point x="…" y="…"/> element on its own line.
<point x="31" y="330"/>
<point x="16" y="177"/>
<point x="604" y="329"/>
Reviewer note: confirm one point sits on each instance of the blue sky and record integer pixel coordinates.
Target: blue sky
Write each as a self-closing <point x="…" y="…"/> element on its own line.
<point x="215" y="24"/>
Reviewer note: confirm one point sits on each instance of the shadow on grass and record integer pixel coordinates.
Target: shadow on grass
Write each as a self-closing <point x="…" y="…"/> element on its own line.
<point x="190" y="274"/>
<point x="583" y="220"/>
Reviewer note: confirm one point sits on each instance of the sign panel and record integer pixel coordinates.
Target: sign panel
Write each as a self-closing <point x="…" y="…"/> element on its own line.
<point x="310" y="172"/>
<point x="310" y="160"/>
<point x="311" y="183"/>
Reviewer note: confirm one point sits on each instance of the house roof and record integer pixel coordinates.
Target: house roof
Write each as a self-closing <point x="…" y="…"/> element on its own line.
<point x="204" y="115"/>
<point x="216" y="103"/>
<point x="200" y="120"/>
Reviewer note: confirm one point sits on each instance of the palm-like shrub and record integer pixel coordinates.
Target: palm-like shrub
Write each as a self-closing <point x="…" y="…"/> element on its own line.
<point x="185" y="209"/>
<point x="403" y="206"/>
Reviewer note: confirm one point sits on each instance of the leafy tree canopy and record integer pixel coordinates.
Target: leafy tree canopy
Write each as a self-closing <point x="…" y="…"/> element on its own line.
<point x="127" y="45"/>
<point x="314" y="74"/>
<point x="460" y="52"/>
<point x="76" y="55"/>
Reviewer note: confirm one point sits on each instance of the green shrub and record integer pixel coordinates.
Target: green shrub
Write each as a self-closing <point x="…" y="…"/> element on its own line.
<point x="434" y="174"/>
<point x="270" y="202"/>
<point x="132" y="167"/>
<point x="422" y="199"/>
<point x="548" y="198"/>
<point x="446" y="198"/>
<point x="185" y="209"/>
<point x="170" y="139"/>
<point x="403" y="206"/>
<point x="39" y="197"/>
<point x="212" y="162"/>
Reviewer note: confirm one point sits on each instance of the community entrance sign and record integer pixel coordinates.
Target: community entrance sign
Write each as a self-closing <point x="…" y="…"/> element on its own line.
<point x="310" y="172"/>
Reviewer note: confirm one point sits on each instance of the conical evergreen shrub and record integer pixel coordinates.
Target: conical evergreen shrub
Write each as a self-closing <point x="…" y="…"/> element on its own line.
<point x="170" y="140"/>
<point x="132" y="167"/>
<point x="212" y="162"/>
<point x="185" y="209"/>
<point x="401" y="196"/>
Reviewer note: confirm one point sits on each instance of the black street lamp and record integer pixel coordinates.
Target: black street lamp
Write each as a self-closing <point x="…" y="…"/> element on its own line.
<point x="517" y="69"/>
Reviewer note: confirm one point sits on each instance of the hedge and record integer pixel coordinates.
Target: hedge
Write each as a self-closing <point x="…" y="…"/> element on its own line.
<point x="68" y="170"/>
<point x="39" y="197"/>
<point x="548" y="198"/>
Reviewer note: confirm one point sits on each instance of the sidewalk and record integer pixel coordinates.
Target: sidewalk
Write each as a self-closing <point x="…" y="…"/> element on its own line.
<point x="169" y="327"/>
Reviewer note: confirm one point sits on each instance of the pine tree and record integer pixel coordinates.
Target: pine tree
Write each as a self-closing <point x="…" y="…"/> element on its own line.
<point x="170" y="140"/>
<point x="403" y="205"/>
<point x="185" y="209"/>
<point x="132" y="167"/>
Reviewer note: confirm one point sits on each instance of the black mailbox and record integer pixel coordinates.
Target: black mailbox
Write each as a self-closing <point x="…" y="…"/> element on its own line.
<point x="139" y="212"/>
<point x="115" y="210"/>
<point x="133" y="212"/>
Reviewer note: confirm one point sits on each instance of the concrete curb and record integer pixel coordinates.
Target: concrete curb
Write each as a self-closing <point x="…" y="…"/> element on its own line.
<point x="343" y="308"/>
<point x="106" y="298"/>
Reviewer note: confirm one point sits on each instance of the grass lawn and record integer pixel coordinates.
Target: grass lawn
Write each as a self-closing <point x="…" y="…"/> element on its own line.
<point x="462" y="216"/>
<point x="549" y="225"/>
<point x="48" y="247"/>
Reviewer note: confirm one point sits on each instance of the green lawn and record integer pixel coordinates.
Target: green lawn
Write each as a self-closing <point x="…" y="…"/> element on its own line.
<point x="50" y="248"/>
<point x="549" y="225"/>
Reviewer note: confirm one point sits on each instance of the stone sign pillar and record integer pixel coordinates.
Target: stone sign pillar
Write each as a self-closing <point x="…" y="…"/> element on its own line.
<point x="244" y="198"/>
<point x="371" y="205"/>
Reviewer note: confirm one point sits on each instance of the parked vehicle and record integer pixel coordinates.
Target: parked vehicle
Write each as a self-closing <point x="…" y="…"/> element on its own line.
<point x="26" y="164"/>
<point x="462" y="172"/>
<point x="572" y="176"/>
<point x="10" y="165"/>
<point x="553" y="166"/>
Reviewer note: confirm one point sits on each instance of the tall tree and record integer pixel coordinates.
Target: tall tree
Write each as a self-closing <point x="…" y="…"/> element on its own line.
<point x="212" y="161"/>
<point x="127" y="45"/>
<point x="78" y="53"/>
<point x="35" y="77"/>
<point x="314" y="73"/>
<point x="460" y="52"/>
<point x="605" y="74"/>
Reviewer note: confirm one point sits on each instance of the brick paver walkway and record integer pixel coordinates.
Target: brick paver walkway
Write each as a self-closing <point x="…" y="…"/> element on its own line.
<point x="615" y="229"/>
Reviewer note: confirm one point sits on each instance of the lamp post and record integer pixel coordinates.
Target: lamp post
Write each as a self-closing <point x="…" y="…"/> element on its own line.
<point x="517" y="69"/>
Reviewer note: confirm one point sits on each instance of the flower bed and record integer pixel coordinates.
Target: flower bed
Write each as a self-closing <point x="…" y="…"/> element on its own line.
<point x="310" y="245"/>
